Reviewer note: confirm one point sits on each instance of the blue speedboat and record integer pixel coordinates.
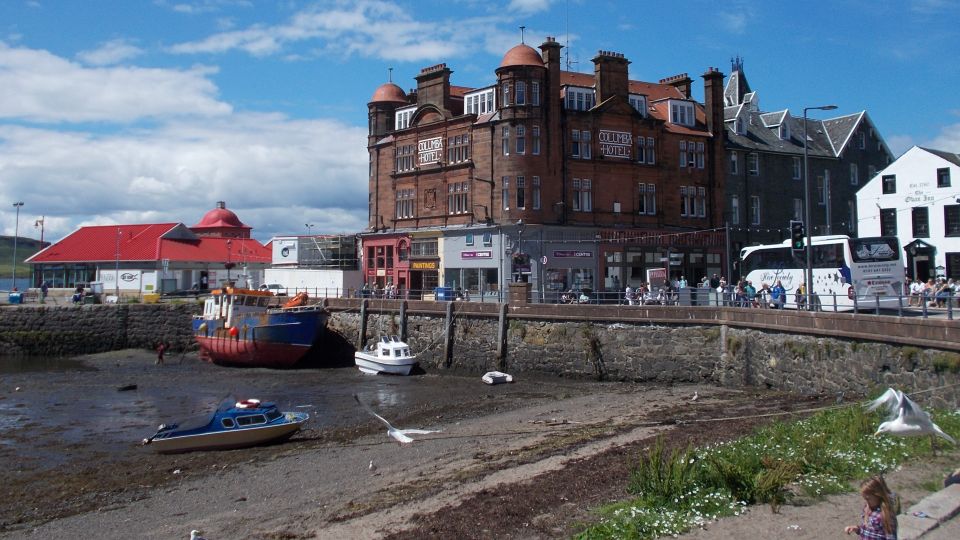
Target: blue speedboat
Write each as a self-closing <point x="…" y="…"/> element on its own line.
<point x="234" y="425"/>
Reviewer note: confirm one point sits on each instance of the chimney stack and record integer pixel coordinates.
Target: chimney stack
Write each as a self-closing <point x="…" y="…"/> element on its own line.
<point x="433" y="87"/>
<point x="682" y="82"/>
<point x="611" y="75"/>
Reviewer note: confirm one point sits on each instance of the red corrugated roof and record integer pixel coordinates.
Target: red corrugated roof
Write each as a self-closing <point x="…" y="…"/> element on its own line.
<point x="146" y="242"/>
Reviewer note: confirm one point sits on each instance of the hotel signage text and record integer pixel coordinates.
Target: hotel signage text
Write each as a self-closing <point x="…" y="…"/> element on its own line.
<point x="485" y="254"/>
<point x="430" y="150"/>
<point x="616" y="144"/>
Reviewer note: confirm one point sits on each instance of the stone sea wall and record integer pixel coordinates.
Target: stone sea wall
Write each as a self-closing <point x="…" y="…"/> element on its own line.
<point x="72" y="330"/>
<point x="492" y="337"/>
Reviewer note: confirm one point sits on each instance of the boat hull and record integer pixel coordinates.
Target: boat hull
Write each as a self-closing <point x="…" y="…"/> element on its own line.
<point x="273" y="339"/>
<point x="226" y="440"/>
<point x="372" y="364"/>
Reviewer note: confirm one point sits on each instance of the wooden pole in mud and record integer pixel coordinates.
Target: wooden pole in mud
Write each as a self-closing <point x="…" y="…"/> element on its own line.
<point x="501" y="338"/>
<point x="362" y="337"/>
<point x="448" y="336"/>
<point x="403" y="320"/>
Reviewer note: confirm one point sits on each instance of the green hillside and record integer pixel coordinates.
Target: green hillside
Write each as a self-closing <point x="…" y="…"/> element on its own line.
<point x="25" y="248"/>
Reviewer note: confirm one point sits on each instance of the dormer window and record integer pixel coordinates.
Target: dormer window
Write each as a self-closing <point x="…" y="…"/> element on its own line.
<point x="579" y="99"/>
<point x="639" y="103"/>
<point x="785" y="131"/>
<point x="402" y="118"/>
<point x="681" y="112"/>
<point x="740" y="127"/>
<point x="481" y="102"/>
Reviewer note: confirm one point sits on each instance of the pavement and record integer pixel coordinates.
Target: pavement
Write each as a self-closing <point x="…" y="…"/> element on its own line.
<point x="933" y="518"/>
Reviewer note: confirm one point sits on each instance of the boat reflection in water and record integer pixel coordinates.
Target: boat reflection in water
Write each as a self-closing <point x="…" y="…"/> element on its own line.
<point x="243" y="327"/>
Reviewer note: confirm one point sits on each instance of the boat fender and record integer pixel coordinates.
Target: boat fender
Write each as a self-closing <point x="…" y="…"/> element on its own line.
<point x="248" y="404"/>
<point x="202" y="328"/>
<point x="233" y="331"/>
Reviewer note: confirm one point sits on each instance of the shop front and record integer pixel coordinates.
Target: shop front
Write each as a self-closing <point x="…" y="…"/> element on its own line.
<point x="386" y="262"/>
<point x="471" y="263"/>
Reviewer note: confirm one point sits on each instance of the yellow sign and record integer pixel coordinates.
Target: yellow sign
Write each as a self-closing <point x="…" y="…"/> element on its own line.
<point x="423" y="265"/>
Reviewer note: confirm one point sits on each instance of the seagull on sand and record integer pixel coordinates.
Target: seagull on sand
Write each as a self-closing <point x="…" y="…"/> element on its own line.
<point x="696" y="396"/>
<point x="907" y="418"/>
<point x="195" y="535"/>
<point x="401" y="435"/>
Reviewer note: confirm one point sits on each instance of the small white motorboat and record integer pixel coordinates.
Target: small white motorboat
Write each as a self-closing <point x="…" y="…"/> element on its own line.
<point x="389" y="355"/>
<point x="497" y="377"/>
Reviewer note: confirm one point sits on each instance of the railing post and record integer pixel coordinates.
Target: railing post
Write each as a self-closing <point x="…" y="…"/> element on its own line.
<point x="923" y="300"/>
<point x="855" y="306"/>
<point x="900" y="305"/>
<point x="878" y="303"/>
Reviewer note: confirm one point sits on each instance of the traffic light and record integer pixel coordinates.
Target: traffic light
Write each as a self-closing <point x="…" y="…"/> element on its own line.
<point x="796" y="235"/>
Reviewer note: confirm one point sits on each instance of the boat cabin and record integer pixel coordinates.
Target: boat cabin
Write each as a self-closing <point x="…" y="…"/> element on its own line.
<point x="226" y="303"/>
<point x="392" y="347"/>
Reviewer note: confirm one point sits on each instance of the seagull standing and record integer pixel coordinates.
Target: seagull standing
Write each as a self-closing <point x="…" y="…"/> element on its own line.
<point x="372" y="468"/>
<point x="195" y="535"/>
<point x="695" y="397"/>
<point x="907" y="418"/>
<point x="400" y="435"/>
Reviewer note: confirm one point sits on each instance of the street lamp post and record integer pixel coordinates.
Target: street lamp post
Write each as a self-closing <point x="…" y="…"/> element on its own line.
<point x="16" y="232"/>
<point x="519" y="276"/>
<point x="309" y="227"/>
<point x="39" y="223"/>
<point x="808" y="217"/>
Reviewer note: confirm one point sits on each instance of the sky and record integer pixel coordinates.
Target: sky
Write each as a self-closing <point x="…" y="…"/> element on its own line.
<point x="151" y="111"/>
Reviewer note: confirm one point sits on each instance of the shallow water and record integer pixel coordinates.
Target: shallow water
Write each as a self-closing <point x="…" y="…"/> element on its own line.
<point x="67" y="408"/>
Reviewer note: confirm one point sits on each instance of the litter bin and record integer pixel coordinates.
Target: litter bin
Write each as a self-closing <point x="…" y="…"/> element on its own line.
<point x="89" y="299"/>
<point x="443" y="294"/>
<point x="15" y="298"/>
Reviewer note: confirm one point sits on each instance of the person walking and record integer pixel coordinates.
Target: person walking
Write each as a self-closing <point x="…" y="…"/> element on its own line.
<point x="878" y="519"/>
<point x="161" y="348"/>
<point x="43" y="292"/>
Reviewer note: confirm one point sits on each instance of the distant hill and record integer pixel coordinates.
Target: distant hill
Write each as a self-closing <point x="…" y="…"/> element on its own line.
<point x="26" y="247"/>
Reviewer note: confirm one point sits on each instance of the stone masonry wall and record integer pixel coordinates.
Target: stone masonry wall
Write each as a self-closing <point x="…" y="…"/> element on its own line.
<point x="70" y="330"/>
<point x="615" y="351"/>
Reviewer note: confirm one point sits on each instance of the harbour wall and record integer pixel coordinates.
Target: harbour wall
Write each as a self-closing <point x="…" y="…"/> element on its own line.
<point x="631" y="344"/>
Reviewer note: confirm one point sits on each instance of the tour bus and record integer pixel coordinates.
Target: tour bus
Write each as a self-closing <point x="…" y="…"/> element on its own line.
<point x="865" y="270"/>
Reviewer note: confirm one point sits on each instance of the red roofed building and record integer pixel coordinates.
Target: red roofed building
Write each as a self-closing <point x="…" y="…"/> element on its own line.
<point x="560" y="179"/>
<point x="154" y="257"/>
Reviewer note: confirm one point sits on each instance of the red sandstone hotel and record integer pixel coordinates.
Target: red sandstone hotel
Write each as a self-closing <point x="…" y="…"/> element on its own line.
<point x="561" y="179"/>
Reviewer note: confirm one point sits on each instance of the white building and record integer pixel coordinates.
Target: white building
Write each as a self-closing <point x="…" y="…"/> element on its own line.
<point x="917" y="199"/>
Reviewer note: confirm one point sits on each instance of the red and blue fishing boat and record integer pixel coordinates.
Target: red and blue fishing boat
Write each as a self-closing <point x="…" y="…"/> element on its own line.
<point x="246" y="327"/>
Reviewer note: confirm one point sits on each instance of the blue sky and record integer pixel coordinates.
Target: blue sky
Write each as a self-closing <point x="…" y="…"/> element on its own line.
<point x="132" y="111"/>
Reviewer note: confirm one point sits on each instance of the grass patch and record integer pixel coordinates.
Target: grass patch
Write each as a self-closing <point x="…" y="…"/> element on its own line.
<point x="676" y="491"/>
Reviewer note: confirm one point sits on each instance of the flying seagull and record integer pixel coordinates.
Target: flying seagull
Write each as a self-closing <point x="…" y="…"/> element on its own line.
<point x="907" y="418"/>
<point x="401" y="435"/>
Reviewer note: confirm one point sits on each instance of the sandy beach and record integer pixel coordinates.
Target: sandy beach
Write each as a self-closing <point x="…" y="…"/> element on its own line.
<point x="525" y="460"/>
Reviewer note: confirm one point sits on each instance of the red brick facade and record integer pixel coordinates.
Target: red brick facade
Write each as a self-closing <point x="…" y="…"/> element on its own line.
<point x="557" y="149"/>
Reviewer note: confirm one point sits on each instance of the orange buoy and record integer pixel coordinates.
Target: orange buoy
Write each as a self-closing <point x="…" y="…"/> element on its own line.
<point x="298" y="300"/>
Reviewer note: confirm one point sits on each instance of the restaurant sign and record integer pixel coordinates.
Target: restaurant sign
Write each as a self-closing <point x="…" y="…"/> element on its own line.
<point x="423" y="265"/>
<point x="616" y="144"/>
<point x="430" y="150"/>
<point x="484" y="254"/>
<point x="572" y="253"/>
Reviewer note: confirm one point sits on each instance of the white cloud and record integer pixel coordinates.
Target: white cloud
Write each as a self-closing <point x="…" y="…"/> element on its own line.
<point x="109" y="53"/>
<point x="197" y="7"/>
<point x="528" y="6"/>
<point x="735" y="23"/>
<point x="948" y="139"/>
<point x="900" y="143"/>
<point x="370" y="28"/>
<point x="273" y="171"/>
<point x="41" y="87"/>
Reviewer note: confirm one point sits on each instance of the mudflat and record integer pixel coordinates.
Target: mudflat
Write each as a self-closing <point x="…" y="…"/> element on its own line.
<point x="523" y="460"/>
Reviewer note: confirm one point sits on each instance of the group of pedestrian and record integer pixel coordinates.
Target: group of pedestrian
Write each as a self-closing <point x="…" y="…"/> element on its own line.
<point x="645" y="295"/>
<point x="933" y="293"/>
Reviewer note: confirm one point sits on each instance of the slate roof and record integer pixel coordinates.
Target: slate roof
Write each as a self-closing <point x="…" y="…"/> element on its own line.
<point x="952" y="158"/>
<point x="736" y="87"/>
<point x="149" y="242"/>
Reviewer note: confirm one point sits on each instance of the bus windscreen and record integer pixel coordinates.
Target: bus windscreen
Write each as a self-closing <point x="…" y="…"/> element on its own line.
<point x="874" y="249"/>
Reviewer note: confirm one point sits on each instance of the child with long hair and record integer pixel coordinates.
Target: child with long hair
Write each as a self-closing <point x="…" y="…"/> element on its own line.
<point x="878" y="521"/>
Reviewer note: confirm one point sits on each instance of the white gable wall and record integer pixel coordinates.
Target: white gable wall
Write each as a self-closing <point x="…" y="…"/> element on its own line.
<point x="916" y="172"/>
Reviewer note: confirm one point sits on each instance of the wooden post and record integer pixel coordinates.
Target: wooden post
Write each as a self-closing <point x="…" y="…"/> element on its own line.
<point x="448" y="337"/>
<point x="362" y="338"/>
<point x="502" y="338"/>
<point x="403" y="320"/>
